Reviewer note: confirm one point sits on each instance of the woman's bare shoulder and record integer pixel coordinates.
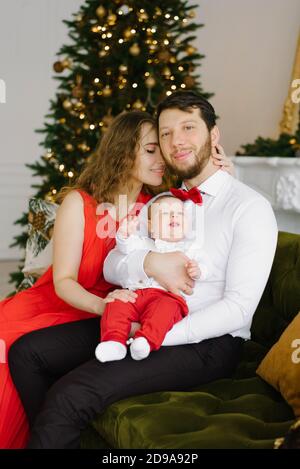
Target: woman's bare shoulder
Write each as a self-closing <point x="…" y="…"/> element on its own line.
<point x="73" y="199"/>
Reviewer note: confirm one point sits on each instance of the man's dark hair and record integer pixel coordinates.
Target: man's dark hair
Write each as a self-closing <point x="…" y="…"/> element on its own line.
<point x="186" y="101"/>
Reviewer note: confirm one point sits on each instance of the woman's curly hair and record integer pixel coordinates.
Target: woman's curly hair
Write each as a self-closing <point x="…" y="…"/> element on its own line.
<point x="110" y="167"/>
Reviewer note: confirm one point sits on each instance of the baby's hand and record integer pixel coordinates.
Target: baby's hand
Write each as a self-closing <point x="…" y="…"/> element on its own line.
<point x="193" y="270"/>
<point x="128" y="226"/>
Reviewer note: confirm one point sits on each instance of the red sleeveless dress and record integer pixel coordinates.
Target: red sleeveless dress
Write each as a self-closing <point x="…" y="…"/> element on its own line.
<point x="40" y="307"/>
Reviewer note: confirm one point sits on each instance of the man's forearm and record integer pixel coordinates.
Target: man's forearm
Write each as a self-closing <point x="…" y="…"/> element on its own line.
<point x="118" y="267"/>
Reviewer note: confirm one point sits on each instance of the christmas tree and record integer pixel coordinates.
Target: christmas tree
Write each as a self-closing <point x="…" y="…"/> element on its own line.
<point x="124" y="54"/>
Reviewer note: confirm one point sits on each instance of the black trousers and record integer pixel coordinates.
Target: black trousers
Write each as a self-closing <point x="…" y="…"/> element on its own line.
<point x="63" y="387"/>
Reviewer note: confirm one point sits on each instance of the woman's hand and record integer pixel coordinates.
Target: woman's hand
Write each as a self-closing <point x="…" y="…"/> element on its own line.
<point x="127" y="296"/>
<point x="220" y="159"/>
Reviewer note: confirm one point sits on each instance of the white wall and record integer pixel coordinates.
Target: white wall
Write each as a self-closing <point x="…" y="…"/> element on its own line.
<point x="31" y="33"/>
<point x="249" y="47"/>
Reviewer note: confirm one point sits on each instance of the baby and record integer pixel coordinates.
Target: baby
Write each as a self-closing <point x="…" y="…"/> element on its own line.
<point x="155" y="308"/>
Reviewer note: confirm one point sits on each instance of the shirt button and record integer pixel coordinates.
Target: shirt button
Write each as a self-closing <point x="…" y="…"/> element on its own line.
<point x="140" y="281"/>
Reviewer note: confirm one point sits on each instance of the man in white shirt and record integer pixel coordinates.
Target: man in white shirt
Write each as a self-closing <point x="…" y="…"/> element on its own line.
<point x="240" y="231"/>
<point x="240" y="235"/>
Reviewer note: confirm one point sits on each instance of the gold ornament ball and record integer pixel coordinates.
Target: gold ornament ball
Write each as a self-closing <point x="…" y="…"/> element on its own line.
<point x="190" y="50"/>
<point x="111" y="19"/>
<point x="107" y="91"/>
<point x="86" y="126"/>
<point x="66" y="63"/>
<point x="67" y="104"/>
<point x="77" y="92"/>
<point x="166" y="72"/>
<point x="143" y="16"/>
<point x="164" y="55"/>
<point x="189" y="81"/>
<point x="123" y="68"/>
<point x="102" y="53"/>
<point x="62" y="120"/>
<point x="100" y="12"/>
<point x="127" y="33"/>
<point x="292" y="141"/>
<point x="192" y="14"/>
<point x="134" y="49"/>
<point x="150" y="82"/>
<point x="138" y="104"/>
<point x="69" y="147"/>
<point x="58" y="67"/>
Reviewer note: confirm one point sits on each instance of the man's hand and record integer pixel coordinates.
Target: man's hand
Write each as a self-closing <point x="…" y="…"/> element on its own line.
<point x="169" y="270"/>
<point x="129" y="226"/>
<point x="193" y="270"/>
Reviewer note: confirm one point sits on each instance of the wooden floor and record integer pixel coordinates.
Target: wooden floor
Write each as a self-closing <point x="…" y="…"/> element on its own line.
<point x="6" y="267"/>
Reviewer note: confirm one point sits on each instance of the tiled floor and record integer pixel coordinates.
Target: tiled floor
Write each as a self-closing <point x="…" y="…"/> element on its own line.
<point x="6" y="267"/>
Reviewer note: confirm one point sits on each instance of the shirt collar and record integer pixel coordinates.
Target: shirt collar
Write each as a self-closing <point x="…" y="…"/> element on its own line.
<point x="214" y="183"/>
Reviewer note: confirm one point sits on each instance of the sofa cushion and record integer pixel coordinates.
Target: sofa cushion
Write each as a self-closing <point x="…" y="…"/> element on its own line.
<point x="281" y="366"/>
<point x="227" y="413"/>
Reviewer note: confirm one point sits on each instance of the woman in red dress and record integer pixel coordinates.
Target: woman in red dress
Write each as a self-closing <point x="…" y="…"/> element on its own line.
<point x="74" y="288"/>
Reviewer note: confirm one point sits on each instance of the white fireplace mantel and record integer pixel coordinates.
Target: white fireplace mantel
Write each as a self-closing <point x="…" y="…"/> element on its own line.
<point x="277" y="179"/>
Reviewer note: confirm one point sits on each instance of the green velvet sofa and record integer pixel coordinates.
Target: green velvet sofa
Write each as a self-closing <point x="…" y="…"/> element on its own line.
<point x="242" y="412"/>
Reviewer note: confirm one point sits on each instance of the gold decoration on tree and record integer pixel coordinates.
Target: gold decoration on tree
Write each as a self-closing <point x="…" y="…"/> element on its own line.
<point x="138" y="104"/>
<point x="135" y="49"/>
<point x="101" y="12"/>
<point x="107" y="91"/>
<point x="190" y="50"/>
<point x="60" y="66"/>
<point x="127" y="33"/>
<point x="78" y="91"/>
<point x="83" y="147"/>
<point x="142" y="16"/>
<point x="150" y="82"/>
<point x="164" y="55"/>
<point x="123" y="68"/>
<point x="67" y="104"/>
<point x="189" y="81"/>
<point x="111" y="19"/>
<point x="69" y="147"/>
<point x="166" y="72"/>
<point x="37" y="220"/>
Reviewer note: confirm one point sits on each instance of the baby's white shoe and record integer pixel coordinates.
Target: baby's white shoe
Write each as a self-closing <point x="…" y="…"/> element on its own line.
<point x="139" y="348"/>
<point x="110" y="350"/>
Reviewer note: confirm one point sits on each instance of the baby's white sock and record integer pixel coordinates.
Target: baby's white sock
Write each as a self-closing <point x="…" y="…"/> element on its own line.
<point x="139" y="348"/>
<point x="110" y="350"/>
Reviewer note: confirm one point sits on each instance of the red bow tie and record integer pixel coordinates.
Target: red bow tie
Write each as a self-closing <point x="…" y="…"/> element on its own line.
<point x="193" y="194"/>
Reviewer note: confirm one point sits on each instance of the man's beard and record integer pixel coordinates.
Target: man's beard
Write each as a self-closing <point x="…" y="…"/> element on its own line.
<point x="195" y="169"/>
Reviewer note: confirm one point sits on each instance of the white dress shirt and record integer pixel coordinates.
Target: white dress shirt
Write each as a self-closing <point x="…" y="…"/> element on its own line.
<point x="240" y="237"/>
<point x="188" y="247"/>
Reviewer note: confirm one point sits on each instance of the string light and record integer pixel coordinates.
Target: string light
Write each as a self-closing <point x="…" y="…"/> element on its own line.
<point x="61" y="167"/>
<point x="70" y="174"/>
